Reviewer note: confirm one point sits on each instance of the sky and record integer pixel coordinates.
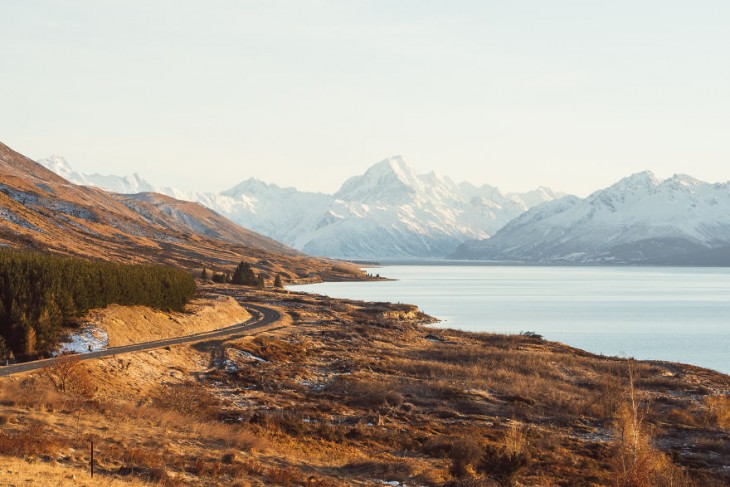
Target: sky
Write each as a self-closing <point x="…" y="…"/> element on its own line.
<point x="200" y="95"/>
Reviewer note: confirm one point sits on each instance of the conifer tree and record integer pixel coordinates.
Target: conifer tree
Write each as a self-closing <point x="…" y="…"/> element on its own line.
<point x="219" y="278"/>
<point x="244" y="275"/>
<point x="4" y="350"/>
<point x="29" y="340"/>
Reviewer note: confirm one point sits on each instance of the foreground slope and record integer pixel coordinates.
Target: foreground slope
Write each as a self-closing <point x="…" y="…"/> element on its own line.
<point x="389" y="211"/>
<point x="640" y="219"/>
<point x="42" y="211"/>
<point x="355" y="393"/>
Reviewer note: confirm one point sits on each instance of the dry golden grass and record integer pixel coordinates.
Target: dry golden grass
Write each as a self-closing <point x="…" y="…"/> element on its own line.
<point x="18" y="471"/>
<point x="135" y="324"/>
<point x="274" y="349"/>
<point x="349" y="395"/>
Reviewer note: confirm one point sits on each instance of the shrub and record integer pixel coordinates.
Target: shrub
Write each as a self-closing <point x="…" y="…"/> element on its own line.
<point x="187" y="399"/>
<point x="370" y="394"/>
<point x="464" y="456"/>
<point x="229" y="458"/>
<point x="66" y="375"/>
<point x="29" y="442"/>
<point x="718" y="411"/>
<point x="636" y="462"/>
<point x="503" y="465"/>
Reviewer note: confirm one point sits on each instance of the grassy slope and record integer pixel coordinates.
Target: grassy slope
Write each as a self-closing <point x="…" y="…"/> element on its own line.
<point x="352" y="393"/>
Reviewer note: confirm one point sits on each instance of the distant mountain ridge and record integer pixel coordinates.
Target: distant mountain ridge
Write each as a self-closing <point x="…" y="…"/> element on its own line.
<point x="389" y="211"/>
<point x="641" y="219"/>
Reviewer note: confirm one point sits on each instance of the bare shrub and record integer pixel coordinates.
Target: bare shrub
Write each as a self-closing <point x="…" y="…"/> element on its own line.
<point x="229" y="458"/>
<point x="67" y="376"/>
<point x="718" y="411"/>
<point x="187" y="399"/>
<point x="206" y="468"/>
<point x="370" y="394"/>
<point x="31" y="441"/>
<point x="506" y="461"/>
<point x="144" y="463"/>
<point x="464" y="455"/>
<point x="636" y="462"/>
<point x="284" y="476"/>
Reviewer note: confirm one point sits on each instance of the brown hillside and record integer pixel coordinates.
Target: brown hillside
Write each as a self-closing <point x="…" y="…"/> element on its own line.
<point x="201" y="220"/>
<point x="42" y="211"/>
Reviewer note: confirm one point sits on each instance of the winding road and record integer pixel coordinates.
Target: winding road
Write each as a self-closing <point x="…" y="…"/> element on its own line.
<point x="261" y="317"/>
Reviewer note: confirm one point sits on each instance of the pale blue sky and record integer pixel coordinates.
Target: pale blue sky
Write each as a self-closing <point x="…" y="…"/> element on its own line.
<point x="200" y="95"/>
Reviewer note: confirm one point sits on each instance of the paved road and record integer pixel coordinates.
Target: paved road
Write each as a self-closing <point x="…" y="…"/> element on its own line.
<point x="261" y="317"/>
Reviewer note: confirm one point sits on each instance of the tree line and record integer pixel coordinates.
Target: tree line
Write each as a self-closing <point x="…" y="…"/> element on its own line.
<point x="41" y="293"/>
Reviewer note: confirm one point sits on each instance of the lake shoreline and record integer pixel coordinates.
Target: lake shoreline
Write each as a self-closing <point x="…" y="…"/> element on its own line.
<point x="644" y="312"/>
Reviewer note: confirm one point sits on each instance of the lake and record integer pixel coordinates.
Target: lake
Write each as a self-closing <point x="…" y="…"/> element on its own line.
<point x="659" y="313"/>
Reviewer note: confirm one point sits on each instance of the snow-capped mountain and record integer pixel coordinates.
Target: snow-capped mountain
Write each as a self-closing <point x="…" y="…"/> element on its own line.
<point x="389" y="211"/>
<point x="640" y="219"/>
<point x="116" y="184"/>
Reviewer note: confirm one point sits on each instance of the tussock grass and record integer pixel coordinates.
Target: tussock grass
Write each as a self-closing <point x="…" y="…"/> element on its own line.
<point x="354" y="392"/>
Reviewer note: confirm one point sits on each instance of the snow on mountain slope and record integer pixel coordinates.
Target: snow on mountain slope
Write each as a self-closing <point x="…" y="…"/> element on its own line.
<point x="640" y="219"/>
<point x="116" y="184"/>
<point x="389" y="211"/>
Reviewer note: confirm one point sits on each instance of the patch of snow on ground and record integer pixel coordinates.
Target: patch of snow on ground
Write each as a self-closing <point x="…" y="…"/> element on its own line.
<point x="87" y="339"/>
<point x="251" y="356"/>
<point x="230" y="366"/>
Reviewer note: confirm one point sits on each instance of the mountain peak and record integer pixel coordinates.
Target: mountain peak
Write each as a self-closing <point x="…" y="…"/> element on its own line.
<point x="250" y="186"/>
<point x="637" y="182"/>
<point x="643" y="177"/>
<point x="684" y="180"/>
<point x="391" y="178"/>
<point x="60" y="166"/>
<point x="393" y="166"/>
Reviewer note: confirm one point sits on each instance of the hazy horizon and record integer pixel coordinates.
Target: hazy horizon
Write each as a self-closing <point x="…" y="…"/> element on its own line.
<point x="568" y="95"/>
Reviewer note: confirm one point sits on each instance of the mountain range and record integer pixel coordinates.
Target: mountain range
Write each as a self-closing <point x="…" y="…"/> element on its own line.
<point x="389" y="211"/>
<point x="641" y="219"/>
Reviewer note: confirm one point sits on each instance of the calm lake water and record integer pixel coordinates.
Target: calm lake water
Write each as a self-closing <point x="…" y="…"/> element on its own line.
<point x="662" y="313"/>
